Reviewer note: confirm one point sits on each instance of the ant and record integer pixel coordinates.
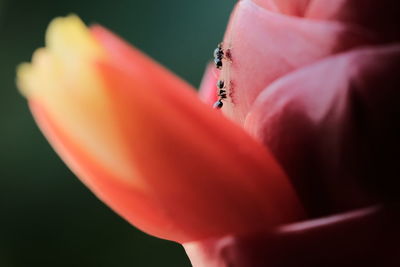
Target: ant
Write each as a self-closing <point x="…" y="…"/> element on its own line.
<point x="220" y="54"/>
<point x="221" y="93"/>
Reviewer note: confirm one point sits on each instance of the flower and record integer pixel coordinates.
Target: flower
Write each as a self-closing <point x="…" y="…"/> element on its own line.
<point x="302" y="84"/>
<point x="301" y="78"/>
<point x="317" y="83"/>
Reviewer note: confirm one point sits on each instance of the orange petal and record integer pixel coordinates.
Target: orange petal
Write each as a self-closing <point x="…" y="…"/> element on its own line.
<point x="188" y="173"/>
<point x="131" y="203"/>
<point x="204" y="160"/>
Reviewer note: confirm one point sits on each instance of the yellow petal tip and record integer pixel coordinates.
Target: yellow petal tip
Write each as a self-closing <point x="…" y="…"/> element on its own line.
<point x="70" y="36"/>
<point x="23" y="72"/>
<point x="64" y="80"/>
<point x="69" y="47"/>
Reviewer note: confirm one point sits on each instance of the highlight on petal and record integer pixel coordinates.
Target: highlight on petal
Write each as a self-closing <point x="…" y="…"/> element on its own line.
<point x="265" y="45"/>
<point x="333" y="126"/>
<point x="143" y="142"/>
<point x="288" y="7"/>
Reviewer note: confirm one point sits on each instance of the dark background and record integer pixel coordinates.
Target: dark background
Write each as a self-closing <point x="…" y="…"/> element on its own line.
<point x="47" y="217"/>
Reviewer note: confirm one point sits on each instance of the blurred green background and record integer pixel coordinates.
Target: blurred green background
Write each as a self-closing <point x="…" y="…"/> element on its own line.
<point x="47" y="217"/>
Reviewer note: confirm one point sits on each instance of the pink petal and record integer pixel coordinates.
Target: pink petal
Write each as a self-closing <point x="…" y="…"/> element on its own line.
<point x="380" y="18"/>
<point x="367" y="237"/>
<point x="208" y="89"/>
<point x="265" y="46"/>
<point x="334" y="128"/>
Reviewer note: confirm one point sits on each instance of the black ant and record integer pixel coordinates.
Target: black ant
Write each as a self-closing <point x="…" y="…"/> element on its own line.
<point x="221" y="93"/>
<point x="218" y="56"/>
